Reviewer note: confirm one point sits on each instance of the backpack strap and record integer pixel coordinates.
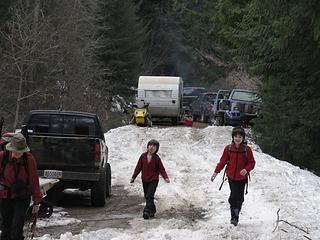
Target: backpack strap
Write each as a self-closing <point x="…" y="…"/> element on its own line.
<point x="229" y="153"/>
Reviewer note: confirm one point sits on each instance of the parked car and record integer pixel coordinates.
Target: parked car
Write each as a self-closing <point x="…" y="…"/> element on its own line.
<point x="202" y="106"/>
<point x="245" y="101"/>
<point x="189" y="95"/>
<point x="220" y="106"/>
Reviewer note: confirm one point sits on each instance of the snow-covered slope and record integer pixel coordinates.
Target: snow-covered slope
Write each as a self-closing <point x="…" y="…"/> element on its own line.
<point x="191" y="207"/>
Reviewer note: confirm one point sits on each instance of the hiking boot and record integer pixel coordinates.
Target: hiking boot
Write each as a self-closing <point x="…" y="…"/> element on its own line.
<point x="151" y="214"/>
<point x="146" y="215"/>
<point x="234" y="221"/>
<point x="234" y="216"/>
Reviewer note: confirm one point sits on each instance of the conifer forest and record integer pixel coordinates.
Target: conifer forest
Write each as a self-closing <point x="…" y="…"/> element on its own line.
<point x="79" y="54"/>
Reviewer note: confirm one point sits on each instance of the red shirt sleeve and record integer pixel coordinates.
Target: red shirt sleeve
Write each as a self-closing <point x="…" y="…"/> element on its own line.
<point x="162" y="170"/>
<point x="34" y="179"/>
<point x="138" y="168"/>
<point x="223" y="160"/>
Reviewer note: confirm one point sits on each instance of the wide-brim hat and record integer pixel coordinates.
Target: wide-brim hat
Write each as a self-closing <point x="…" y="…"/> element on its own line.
<point x="18" y="143"/>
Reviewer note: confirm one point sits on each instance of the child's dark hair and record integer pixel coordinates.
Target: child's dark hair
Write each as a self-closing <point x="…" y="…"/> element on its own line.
<point x="154" y="143"/>
<point x="238" y="130"/>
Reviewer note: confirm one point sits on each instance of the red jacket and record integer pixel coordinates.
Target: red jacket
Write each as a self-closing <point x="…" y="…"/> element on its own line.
<point x="236" y="161"/>
<point x="149" y="172"/>
<point x="32" y="177"/>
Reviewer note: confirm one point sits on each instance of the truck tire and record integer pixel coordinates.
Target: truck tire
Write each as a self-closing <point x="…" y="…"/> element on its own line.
<point x="108" y="180"/>
<point x="98" y="191"/>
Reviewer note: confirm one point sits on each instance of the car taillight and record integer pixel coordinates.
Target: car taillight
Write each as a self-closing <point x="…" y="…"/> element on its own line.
<point x="97" y="153"/>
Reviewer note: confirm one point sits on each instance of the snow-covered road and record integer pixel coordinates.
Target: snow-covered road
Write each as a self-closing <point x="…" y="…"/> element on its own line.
<point x="200" y="210"/>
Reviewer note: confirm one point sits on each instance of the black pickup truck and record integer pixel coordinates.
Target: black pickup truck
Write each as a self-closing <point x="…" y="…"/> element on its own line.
<point x="70" y="146"/>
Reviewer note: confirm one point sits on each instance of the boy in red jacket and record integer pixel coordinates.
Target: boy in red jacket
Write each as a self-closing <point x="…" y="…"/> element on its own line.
<point x="150" y="165"/>
<point x="239" y="161"/>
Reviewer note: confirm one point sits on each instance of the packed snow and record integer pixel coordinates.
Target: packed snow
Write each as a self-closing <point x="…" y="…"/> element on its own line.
<point x="191" y="206"/>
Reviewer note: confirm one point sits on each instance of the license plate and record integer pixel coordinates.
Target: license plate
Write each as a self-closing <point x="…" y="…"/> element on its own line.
<point x="52" y="174"/>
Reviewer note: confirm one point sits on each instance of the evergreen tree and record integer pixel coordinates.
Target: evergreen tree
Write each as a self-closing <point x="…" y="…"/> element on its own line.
<point x="120" y="49"/>
<point x="280" y="40"/>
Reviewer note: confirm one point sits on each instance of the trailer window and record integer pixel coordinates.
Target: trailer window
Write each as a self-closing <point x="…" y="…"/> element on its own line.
<point x="158" y="93"/>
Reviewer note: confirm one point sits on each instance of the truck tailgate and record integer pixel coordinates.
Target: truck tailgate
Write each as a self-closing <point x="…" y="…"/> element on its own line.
<point x="63" y="153"/>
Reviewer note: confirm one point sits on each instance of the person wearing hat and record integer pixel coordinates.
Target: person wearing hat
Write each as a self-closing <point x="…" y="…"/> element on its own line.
<point x="239" y="161"/>
<point x="19" y="182"/>
<point x="150" y="165"/>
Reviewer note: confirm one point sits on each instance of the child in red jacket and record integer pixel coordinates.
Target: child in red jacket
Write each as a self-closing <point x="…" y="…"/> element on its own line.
<point x="239" y="161"/>
<point x="150" y="165"/>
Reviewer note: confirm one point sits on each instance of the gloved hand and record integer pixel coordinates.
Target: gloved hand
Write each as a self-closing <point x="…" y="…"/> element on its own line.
<point x="35" y="208"/>
<point x="132" y="180"/>
<point x="213" y="176"/>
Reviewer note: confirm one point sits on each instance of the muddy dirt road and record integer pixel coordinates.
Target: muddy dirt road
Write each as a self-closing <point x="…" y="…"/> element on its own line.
<point x="119" y="210"/>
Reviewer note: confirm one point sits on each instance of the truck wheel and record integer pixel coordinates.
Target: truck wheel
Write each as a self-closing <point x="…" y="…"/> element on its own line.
<point x="108" y="180"/>
<point x="98" y="191"/>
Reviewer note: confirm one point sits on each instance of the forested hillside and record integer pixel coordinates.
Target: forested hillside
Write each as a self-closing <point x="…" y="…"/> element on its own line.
<point x="77" y="55"/>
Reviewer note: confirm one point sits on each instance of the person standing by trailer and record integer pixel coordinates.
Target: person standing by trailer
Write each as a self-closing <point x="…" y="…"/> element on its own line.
<point x="239" y="161"/>
<point x="19" y="182"/>
<point x="150" y="165"/>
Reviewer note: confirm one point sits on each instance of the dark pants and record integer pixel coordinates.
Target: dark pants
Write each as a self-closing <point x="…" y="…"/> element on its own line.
<point x="13" y="213"/>
<point x="237" y="193"/>
<point x="149" y="189"/>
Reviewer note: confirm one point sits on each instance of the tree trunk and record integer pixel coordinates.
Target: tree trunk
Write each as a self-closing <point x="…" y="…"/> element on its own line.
<point x="16" y="118"/>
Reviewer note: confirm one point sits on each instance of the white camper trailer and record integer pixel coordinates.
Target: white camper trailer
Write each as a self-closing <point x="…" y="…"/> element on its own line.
<point x="164" y="95"/>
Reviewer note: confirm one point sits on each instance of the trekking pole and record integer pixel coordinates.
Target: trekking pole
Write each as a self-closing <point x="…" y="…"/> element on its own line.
<point x="33" y="224"/>
<point x="223" y="178"/>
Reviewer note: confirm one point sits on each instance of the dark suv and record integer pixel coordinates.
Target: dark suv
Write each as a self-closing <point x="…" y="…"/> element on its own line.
<point x="202" y="107"/>
<point x="189" y="95"/>
<point x="70" y="146"/>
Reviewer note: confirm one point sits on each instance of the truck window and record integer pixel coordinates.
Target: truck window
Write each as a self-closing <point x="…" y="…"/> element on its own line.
<point x="78" y="125"/>
<point x="158" y="93"/>
<point x="244" y="96"/>
<point x="57" y="124"/>
<point x="210" y="98"/>
<point x="39" y="123"/>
